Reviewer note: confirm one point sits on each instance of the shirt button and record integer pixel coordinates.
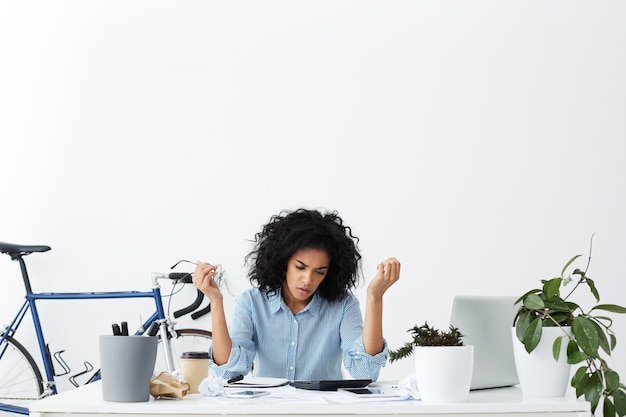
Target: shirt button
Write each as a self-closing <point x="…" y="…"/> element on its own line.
<point x="291" y="367"/>
<point x="293" y="343"/>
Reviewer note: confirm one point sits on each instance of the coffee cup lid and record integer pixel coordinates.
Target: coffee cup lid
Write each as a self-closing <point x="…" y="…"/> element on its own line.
<point x="195" y="355"/>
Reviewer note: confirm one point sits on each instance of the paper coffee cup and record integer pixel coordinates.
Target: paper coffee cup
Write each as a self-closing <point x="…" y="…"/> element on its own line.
<point x="194" y="367"/>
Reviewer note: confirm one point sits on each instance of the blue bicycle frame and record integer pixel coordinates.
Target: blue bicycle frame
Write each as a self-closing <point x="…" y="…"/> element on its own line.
<point x="48" y="386"/>
<point x="30" y="303"/>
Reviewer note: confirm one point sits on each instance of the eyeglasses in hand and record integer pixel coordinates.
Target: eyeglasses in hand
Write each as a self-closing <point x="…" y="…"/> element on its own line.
<point x="218" y="278"/>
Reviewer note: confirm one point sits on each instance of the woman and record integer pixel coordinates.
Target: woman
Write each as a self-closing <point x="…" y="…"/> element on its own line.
<point x="301" y="320"/>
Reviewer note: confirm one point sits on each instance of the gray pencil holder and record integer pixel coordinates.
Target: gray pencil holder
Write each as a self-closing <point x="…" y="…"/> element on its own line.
<point x="127" y="365"/>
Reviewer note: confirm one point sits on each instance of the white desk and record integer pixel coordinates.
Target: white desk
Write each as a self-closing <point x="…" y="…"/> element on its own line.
<point x="87" y="402"/>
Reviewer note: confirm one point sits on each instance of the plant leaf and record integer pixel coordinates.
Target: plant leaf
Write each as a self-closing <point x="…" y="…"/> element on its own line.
<point x="556" y="347"/>
<point x="579" y="380"/>
<point x="592" y="287"/>
<point x="403" y="352"/>
<point x="574" y="355"/>
<point x="608" y="410"/>
<point x="523" y="321"/>
<point x="620" y="402"/>
<point x="551" y="288"/>
<point x="613" y="308"/>
<point x="602" y="340"/>
<point x="533" y="302"/>
<point x="611" y="379"/>
<point x="519" y="300"/>
<point x="593" y="390"/>
<point x="563" y="318"/>
<point x="569" y="263"/>
<point x="586" y="335"/>
<point x="557" y="304"/>
<point x="532" y="335"/>
<point x="572" y="306"/>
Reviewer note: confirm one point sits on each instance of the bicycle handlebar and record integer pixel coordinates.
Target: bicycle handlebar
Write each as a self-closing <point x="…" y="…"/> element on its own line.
<point x="191" y="307"/>
<point x="185" y="278"/>
<point x="201" y="312"/>
<point x="182" y="277"/>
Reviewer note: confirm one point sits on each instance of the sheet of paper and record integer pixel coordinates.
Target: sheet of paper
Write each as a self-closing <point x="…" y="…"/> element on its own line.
<point x="280" y="395"/>
<point x="347" y="398"/>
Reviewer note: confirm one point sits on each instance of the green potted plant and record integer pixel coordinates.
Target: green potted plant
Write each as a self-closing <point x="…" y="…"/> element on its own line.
<point x="443" y="364"/>
<point x="426" y="335"/>
<point x="585" y="334"/>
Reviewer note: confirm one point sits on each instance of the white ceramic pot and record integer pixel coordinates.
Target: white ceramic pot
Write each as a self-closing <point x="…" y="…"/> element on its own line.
<point x="443" y="373"/>
<point x="540" y="375"/>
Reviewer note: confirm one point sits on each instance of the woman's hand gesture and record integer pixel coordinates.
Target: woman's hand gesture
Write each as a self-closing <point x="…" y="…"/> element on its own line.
<point x="388" y="272"/>
<point x="203" y="279"/>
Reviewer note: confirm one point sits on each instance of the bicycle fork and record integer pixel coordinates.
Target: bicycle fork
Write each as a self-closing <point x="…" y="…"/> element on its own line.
<point x="164" y="327"/>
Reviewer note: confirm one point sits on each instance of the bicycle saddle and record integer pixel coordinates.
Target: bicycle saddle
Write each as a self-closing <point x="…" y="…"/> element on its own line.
<point x="13" y="249"/>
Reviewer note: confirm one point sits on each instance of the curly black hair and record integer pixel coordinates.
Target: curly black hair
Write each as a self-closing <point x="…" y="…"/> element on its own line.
<point x="290" y="231"/>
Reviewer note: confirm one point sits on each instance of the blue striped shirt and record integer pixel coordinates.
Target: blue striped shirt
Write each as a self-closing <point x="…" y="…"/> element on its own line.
<point x="307" y="346"/>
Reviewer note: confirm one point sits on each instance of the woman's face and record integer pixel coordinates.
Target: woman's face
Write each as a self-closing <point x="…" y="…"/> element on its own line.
<point x="306" y="269"/>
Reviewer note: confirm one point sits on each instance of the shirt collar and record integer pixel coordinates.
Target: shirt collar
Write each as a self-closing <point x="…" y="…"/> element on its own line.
<point x="276" y="303"/>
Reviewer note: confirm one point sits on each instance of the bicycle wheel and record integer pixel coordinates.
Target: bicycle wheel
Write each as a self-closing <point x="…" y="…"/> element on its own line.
<point x="20" y="378"/>
<point x="188" y="340"/>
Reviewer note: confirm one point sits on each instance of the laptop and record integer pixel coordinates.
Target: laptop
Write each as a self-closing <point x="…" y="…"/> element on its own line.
<point x="486" y="322"/>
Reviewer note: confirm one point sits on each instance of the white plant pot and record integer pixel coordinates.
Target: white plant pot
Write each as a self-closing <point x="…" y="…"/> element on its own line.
<point x="540" y="375"/>
<point x="443" y="373"/>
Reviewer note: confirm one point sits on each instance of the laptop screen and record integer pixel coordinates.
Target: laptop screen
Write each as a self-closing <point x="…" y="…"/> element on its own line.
<point x="486" y="322"/>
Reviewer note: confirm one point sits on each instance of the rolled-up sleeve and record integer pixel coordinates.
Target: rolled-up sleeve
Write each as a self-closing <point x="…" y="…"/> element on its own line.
<point x="362" y="365"/>
<point x="358" y="363"/>
<point x="243" y="347"/>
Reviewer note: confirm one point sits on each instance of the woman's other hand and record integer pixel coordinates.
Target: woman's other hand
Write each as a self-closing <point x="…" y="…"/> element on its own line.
<point x="203" y="279"/>
<point x="388" y="272"/>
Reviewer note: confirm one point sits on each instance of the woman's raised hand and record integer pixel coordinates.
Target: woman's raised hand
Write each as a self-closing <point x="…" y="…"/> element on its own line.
<point x="203" y="279"/>
<point x="388" y="272"/>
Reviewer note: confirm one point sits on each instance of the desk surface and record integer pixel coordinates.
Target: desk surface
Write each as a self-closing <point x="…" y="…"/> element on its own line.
<point x="87" y="401"/>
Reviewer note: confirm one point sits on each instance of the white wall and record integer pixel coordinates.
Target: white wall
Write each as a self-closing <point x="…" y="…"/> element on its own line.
<point x="480" y="142"/>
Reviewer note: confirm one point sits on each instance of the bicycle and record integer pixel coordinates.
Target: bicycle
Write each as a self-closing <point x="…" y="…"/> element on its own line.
<point x="21" y="380"/>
